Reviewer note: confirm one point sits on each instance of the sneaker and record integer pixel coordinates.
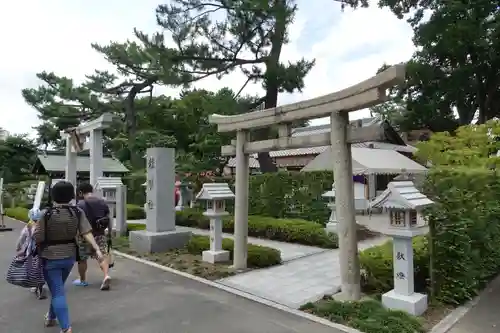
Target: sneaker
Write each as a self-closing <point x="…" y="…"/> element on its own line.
<point x="106" y="283"/>
<point x="50" y="322"/>
<point x="68" y="330"/>
<point x="80" y="283"/>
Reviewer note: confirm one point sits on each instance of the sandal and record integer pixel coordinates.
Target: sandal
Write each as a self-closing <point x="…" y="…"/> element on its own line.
<point x="50" y="322"/>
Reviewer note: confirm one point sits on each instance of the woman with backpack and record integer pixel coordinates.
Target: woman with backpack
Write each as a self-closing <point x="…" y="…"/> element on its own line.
<point x="56" y="237"/>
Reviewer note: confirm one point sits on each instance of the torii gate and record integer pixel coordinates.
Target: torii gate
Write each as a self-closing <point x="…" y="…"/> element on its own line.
<point x="76" y="141"/>
<point x="337" y="105"/>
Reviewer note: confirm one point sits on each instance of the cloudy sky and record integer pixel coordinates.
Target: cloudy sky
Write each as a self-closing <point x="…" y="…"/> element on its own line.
<point x="55" y="35"/>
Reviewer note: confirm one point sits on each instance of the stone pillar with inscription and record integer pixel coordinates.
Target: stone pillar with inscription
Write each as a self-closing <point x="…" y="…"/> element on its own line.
<point x="160" y="234"/>
<point x="404" y="202"/>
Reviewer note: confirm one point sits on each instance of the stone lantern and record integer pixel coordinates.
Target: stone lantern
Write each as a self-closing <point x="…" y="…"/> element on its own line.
<point x="114" y="192"/>
<point x="185" y="195"/>
<point x="404" y="203"/>
<point x="332" y="224"/>
<point x="215" y="195"/>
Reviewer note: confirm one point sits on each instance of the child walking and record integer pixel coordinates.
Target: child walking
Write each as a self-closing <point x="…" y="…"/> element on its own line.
<point x="25" y="241"/>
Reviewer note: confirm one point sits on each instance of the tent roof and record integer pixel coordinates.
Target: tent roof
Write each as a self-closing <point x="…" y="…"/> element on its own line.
<point x="369" y="161"/>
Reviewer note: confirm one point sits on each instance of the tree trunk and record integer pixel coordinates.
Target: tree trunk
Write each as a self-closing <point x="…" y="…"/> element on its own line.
<point x="131" y="122"/>
<point x="271" y="83"/>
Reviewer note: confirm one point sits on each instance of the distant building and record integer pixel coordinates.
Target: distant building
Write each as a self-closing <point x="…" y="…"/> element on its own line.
<point x="3" y="134"/>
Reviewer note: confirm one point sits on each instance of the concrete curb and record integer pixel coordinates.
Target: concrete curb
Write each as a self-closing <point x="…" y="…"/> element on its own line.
<point x="240" y="293"/>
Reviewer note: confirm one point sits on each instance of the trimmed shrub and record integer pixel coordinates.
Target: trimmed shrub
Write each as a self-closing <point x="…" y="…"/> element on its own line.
<point x="258" y="256"/>
<point x="290" y="195"/>
<point x="135" y="227"/>
<point x="368" y="316"/>
<point x="377" y="266"/>
<point x="135" y="212"/>
<point x="18" y="213"/>
<point x="284" y="230"/>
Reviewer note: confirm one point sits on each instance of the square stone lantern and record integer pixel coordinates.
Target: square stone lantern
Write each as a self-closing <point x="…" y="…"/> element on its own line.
<point x="114" y="192"/>
<point x="404" y="203"/>
<point x="332" y="224"/>
<point x="215" y="196"/>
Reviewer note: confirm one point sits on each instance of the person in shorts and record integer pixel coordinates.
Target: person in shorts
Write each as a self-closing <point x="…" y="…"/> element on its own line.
<point x="98" y="214"/>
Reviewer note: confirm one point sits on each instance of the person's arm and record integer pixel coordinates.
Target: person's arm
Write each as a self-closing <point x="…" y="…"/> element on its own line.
<point x="85" y="231"/>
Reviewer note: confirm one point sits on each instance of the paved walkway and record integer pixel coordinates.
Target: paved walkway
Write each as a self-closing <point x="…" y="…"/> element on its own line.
<point x="298" y="281"/>
<point x="144" y="299"/>
<point x="289" y="251"/>
<point x="484" y="316"/>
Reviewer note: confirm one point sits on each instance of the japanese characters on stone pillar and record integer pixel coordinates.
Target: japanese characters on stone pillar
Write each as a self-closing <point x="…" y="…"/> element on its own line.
<point x="114" y="192"/>
<point x="332" y="224"/>
<point x="215" y="194"/>
<point x="160" y="182"/>
<point x="160" y="234"/>
<point x="404" y="203"/>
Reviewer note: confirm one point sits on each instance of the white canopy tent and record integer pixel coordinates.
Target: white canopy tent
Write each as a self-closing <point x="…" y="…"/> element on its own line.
<point x="368" y="161"/>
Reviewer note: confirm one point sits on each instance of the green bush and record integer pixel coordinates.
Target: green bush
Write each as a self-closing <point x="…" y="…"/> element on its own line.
<point x="368" y="316"/>
<point x="135" y="227"/>
<point x="284" y="230"/>
<point x="465" y="231"/>
<point x="377" y="266"/>
<point x="258" y="256"/>
<point x="135" y="212"/>
<point x="290" y="195"/>
<point x="18" y="213"/>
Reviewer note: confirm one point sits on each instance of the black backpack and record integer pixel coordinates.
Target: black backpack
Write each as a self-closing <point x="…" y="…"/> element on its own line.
<point x="74" y="211"/>
<point x="99" y="224"/>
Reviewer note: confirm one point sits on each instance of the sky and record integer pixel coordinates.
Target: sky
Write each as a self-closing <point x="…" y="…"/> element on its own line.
<point x="55" y="35"/>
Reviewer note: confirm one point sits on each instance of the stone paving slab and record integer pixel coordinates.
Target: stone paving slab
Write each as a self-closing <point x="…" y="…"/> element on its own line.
<point x="289" y="251"/>
<point x="144" y="299"/>
<point x="299" y="281"/>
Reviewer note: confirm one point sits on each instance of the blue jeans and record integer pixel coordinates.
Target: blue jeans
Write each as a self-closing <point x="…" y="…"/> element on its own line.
<point x="56" y="272"/>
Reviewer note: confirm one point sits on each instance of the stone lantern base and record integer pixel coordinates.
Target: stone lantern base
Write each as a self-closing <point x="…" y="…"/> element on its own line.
<point x="332" y="227"/>
<point x="215" y="256"/>
<point x="415" y="304"/>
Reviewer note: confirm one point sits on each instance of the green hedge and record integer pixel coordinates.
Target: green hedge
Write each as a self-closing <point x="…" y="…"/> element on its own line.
<point x="279" y="195"/>
<point x="290" y="195"/>
<point x="20" y="213"/>
<point x="284" y="230"/>
<point x="135" y="212"/>
<point x="258" y="256"/>
<point x="377" y="266"/>
<point x="462" y="252"/>
<point x="465" y="231"/>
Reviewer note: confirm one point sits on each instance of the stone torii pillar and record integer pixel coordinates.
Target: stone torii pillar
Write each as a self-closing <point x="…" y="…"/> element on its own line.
<point x="76" y="142"/>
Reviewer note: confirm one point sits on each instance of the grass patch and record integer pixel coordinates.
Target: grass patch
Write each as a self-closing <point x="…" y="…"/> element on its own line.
<point x="370" y="316"/>
<point x="180" y="260"/>
<point x="189" y="259"/>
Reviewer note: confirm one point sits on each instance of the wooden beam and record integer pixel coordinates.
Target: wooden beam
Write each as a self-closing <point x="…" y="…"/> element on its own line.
<point x="354" y="135"/>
